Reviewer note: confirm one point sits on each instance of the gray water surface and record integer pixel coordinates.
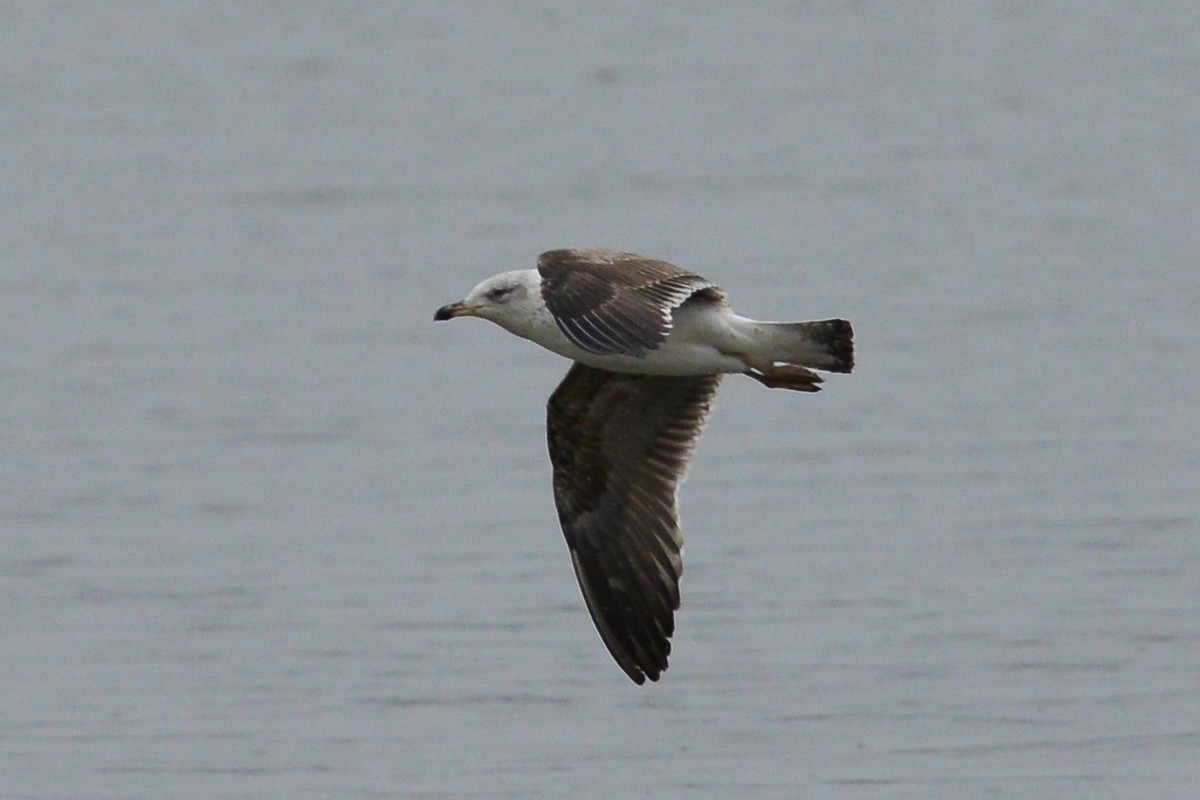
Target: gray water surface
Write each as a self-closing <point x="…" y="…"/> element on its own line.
<point x="268" y="532"/>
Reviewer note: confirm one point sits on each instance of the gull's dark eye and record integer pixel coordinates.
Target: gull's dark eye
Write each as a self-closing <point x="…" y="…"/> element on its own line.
<point x="499" y="294"/>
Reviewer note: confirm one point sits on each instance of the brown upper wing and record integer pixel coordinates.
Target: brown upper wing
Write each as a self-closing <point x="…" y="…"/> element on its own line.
<point x="611" y="303"/>
<point x="619" y="445"/>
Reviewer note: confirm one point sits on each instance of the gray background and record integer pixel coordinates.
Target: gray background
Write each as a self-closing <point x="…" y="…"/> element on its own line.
<point x="268" y="532"/>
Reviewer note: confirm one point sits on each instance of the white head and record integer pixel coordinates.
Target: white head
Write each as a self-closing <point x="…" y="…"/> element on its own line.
<point x="502" y="298"/>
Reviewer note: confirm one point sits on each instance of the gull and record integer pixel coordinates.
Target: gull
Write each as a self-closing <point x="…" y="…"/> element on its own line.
<point x="650" y="342"/>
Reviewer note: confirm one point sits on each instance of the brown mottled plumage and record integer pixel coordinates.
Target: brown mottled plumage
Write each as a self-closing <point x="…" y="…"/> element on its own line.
<point x="650" y="342"/>
<point x="621" y="303"/>
<point x="619" y="446"/>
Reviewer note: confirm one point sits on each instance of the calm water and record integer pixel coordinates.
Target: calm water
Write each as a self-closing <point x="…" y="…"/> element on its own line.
<point x="267" y="532"/>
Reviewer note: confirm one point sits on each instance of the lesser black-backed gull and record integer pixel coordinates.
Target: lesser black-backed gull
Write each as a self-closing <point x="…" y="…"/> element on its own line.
<point x="650" y="342"/>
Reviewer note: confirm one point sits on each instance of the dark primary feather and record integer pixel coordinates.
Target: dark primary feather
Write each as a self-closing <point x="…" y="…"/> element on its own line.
<point x="619" y="445"/>
<point x="610" y="303"/>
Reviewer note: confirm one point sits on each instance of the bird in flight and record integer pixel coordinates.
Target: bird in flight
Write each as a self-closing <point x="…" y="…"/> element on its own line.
<point x="650" y="343"/>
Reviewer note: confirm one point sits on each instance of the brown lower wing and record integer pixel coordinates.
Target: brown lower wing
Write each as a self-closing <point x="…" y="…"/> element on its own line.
<point x="619" y="445"/>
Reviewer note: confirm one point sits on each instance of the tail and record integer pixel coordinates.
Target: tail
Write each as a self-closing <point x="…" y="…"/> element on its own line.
<point x="827" y="345"/>
<point x="785" y="349"/>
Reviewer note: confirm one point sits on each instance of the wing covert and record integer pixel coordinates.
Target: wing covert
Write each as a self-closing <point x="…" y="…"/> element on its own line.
<point x="611" y="303"/>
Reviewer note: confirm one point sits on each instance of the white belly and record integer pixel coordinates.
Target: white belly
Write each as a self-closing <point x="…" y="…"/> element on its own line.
<point x="703" y="341"/>
<point x="669" y="359"/>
